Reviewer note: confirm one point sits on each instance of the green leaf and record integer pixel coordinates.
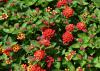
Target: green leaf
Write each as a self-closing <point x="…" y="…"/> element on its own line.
<point x="24" y="25"/>
<point x="97" y="3"/>
<point x="5" y="39"/>
<point x="9" y="30"/>
<point x="76" y="57"/>
<point x="63" y="51"/>
<point x="49" y="0"/>
<point x="70" y="66"/>
<point x="97" y="42"/>
<point x="35" y="43"/>
<point x="76" y="45"/>
<point x="6" y="30"/>
<point x="84" y="37"/>
<point x="57" y="65"/>
<point x="96" y="62"/>
<point x="28" y="3"/>
<point x="97" y="12"/>
<point x="0" y="43"/>
<point x="82" y="63"/>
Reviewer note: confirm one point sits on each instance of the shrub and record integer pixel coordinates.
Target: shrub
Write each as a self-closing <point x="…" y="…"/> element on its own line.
<point x="49" y="35"/>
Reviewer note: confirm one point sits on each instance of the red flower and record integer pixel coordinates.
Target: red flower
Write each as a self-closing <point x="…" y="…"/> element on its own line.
<point x="7" y="51"/>
<point x="39" y="54"/>
<point x="67" y="37"/>
<point x="81" y="26"/>
<point x="49" y="60"/>
<point x="61" y="2"/>
<point x="48" y="33"/>
<point x="70" y="27"/>
<point x="35" y="68"/>
<point x="45" y="42"/>
<point x="68" y="12"/>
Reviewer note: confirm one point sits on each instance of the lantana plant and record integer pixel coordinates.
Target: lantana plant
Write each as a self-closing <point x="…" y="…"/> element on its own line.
<point x="49" y="35"/>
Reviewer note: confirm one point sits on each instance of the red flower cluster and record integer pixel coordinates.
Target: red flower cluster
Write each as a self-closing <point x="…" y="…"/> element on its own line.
<point x="81" y="26"/>
<point x="70" y="27"/>
<point x="68" y="12"/>
<point x="39" y="54"/>
<point x="49" y="60"/>
<point x="7" y="51"/>
<point x="48" y="33"/>
<point x="61" y="2"/>
<point x="45" y="42"/>
<point x="35" y="68"/>
<point x="67" y="37"/>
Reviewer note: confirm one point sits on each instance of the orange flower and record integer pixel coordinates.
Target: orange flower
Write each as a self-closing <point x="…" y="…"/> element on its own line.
<point x="35" y="68"/>
<point x="8" y="61"/>
<point x="21" y="36"/>
<point x="16" y="47"/>
<point x="4" y="16"/>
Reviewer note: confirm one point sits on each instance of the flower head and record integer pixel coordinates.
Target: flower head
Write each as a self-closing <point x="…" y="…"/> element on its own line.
<point x="35" y="68"/>
<point x="39" y="54"/>
<point x="61" y="3"/>
<point x="70" y="27"/>
<point x="7" y="51"/>
<point x="3" y="16"/>
<point x="16" y="47"/>
<point x="67" y="37"/>
<point x="81" y="26"/>
<point x="48" y="33"/>
<point x="45" y="42"/>
<point x="68" y="12"/>
<point x="21" y="36"/>
<point x="49" y="60"/>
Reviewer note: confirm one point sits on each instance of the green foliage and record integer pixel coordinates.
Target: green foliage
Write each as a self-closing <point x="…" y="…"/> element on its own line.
<point x="22" y="23"/>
